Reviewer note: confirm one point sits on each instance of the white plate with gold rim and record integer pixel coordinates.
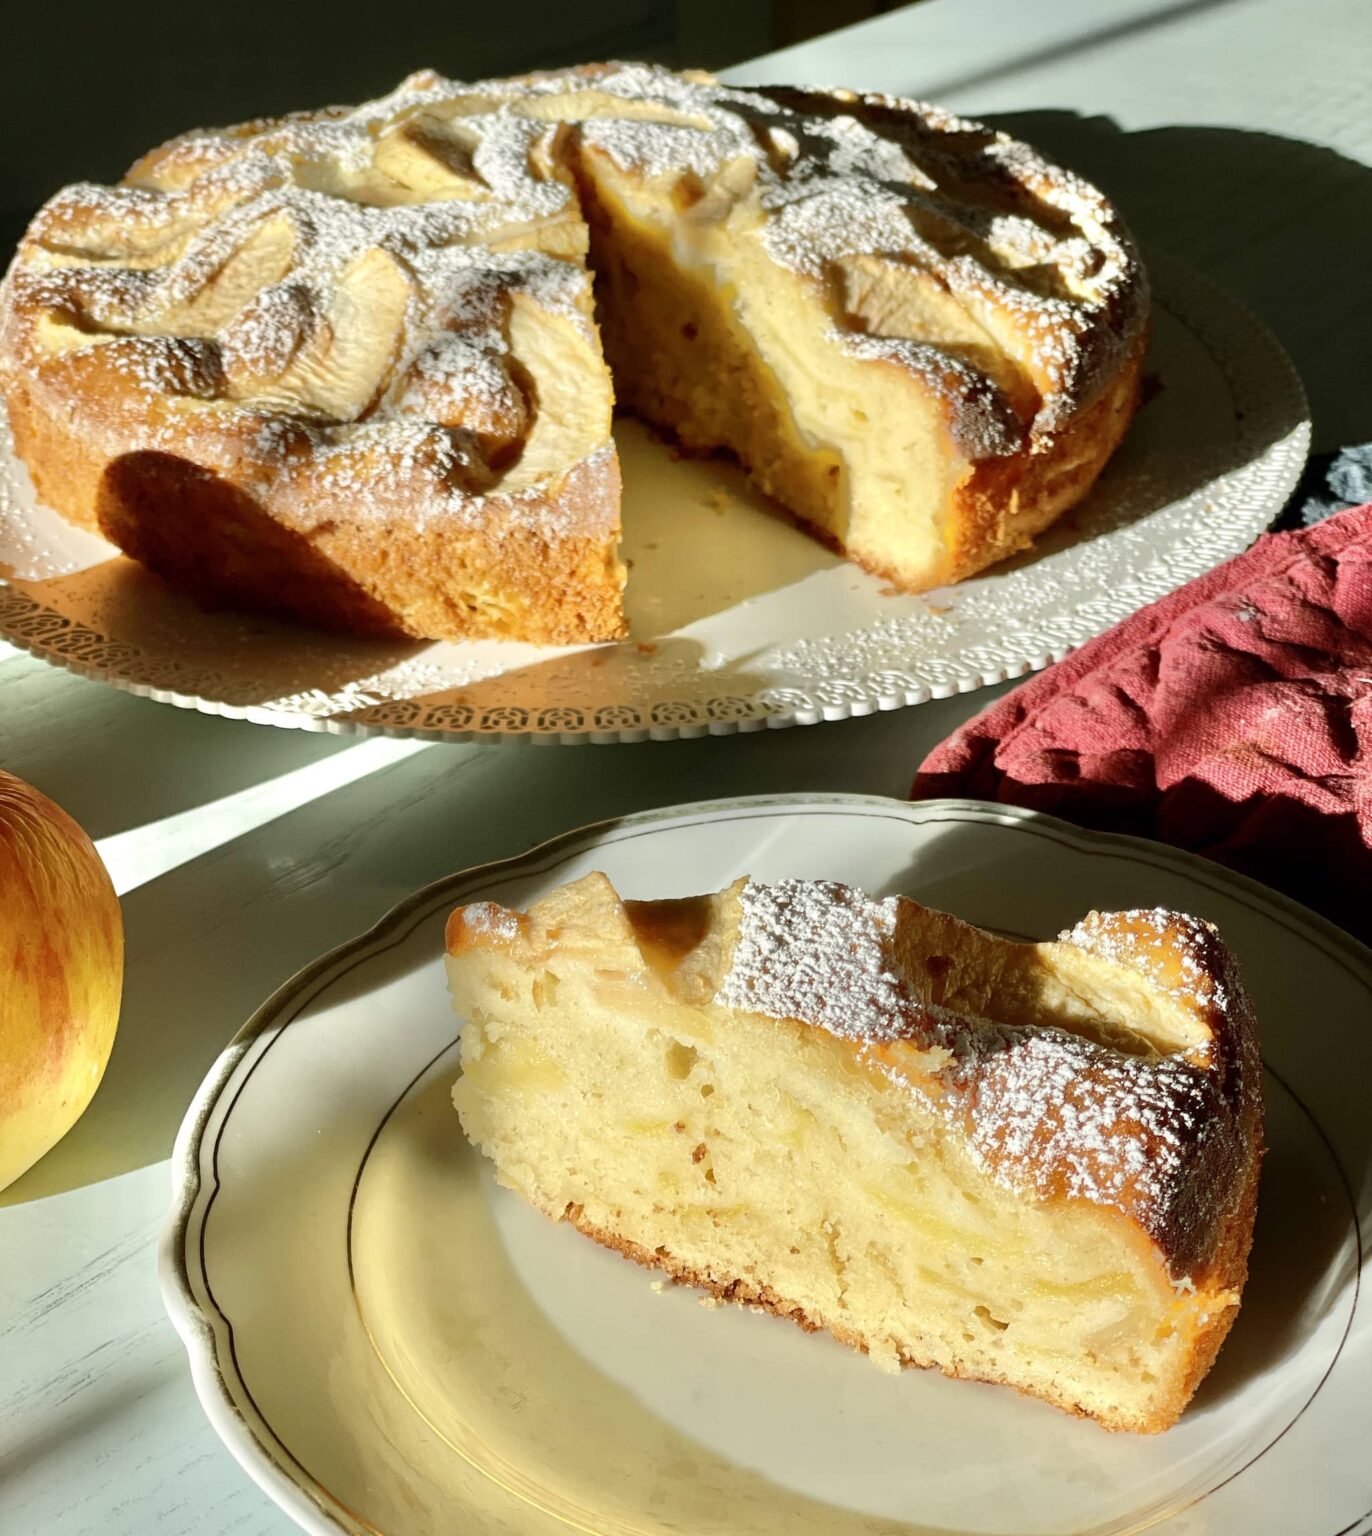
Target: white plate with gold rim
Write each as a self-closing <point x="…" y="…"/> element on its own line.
<point x="390" y="1344"/>
<point x="738" y="620"/>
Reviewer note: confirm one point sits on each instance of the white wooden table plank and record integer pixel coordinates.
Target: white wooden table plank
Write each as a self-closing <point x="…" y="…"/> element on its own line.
<point x="117" y="762"/>
<point x="99" y="1428"/>
<point x="243" y="852"/>
<point x="207" y="941"/>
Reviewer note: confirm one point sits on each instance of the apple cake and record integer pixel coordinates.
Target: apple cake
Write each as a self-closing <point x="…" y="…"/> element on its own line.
<point x="358" y="366"/>
<point x="1033" y="1164"/>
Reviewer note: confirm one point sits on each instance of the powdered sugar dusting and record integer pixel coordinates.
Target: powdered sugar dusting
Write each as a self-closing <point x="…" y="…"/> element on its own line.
<point x="1044" y="1109"/>
<point x="1178" y="953"/>
<point x="339" y="285"/>
<point x="983" y="425"/>
<point x="1068" y="1117"/>
<point x="242" y="241"/>
<point x="1002" y="231"/>
<point x="834" y="941"/>
<point x="491" y="920"/>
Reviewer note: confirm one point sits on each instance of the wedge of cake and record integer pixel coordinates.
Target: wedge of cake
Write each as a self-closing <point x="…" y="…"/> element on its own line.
<point x="1033" y="1164"/>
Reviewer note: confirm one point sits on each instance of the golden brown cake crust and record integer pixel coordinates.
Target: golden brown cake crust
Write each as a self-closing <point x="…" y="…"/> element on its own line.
<point x="1116" y="1066"/>
<point x="303" y="549"/>
<point x="733" y="1289"/>
<point x="279" y="364"/>
<point x="1169" y="1136"/>
<point x="1005" y="504"/>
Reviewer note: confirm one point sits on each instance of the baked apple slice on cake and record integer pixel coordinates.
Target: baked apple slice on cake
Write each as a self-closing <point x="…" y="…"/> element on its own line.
<point x="1033" y="1164"/>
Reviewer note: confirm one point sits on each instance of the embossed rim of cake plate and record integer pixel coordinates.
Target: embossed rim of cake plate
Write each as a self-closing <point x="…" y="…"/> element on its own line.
<point x="1267" y="392"/>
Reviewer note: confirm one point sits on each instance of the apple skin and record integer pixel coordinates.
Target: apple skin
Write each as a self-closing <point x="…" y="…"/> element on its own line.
<point x="61" y="974"/>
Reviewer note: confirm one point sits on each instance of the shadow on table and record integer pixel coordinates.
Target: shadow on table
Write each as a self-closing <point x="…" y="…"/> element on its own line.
<point x="1279" y="223"/>
<point x="121" y="762"/>
<point x="116" y="761"/>
<point x="210" y="940"/>
<point x="108" y="1396"/>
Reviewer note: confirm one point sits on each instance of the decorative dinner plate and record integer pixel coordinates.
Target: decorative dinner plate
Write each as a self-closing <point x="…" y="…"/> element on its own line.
<point x="390" y="1344"/>
<point x="738" y="620"/>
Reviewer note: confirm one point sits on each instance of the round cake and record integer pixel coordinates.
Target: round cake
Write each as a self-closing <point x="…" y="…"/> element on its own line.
<point x="359" y="366"/>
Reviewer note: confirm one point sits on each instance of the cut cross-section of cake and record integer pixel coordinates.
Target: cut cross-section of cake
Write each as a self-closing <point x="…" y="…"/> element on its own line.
<point x="1034" y="1164"/>
<point x="347" y="365"/>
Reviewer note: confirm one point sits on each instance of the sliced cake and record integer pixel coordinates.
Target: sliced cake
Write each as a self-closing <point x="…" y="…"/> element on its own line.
<point x="346" y="365"/>
<point x="1033" y="1164"/>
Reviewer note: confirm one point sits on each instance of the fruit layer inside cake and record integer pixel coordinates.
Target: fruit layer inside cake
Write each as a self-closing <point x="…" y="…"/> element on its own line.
<point x="1030" y="1164"/>
<point x="347" y="366"/>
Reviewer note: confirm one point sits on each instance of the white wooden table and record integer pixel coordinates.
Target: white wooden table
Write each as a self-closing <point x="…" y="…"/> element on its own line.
<point x="1236" y="133"/>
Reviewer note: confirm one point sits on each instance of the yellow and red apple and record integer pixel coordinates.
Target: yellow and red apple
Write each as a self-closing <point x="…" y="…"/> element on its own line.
<point x="61" y="974"/>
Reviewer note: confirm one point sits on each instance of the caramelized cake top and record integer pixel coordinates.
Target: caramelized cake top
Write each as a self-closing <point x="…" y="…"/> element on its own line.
<point x="1117" y="1065"/>
<point x="344" y="279"/>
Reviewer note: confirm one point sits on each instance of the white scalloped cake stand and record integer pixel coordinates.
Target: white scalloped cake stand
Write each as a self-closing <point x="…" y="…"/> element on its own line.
<point x="739" y="621"/>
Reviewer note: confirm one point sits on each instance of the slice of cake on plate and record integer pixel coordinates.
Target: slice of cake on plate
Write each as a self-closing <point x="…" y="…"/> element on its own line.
<point x="1034" y="1164"/>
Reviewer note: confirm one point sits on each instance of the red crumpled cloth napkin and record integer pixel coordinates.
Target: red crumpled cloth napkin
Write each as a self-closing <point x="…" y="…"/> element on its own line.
<point x="1233" y="717"/>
